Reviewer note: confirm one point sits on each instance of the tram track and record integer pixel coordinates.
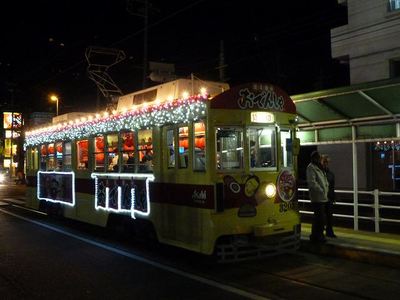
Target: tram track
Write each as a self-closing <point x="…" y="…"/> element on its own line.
<point x="298" y="273"/>
<point x="344" y="278"/>
<point x="321" y="288"/>
<point x="128" y="254"/>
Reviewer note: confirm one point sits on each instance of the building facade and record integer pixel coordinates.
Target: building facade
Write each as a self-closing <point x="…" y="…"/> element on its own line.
<point x="370" y="42"/>
<point x="11" y="141"/>
<point x="358" y="125"/>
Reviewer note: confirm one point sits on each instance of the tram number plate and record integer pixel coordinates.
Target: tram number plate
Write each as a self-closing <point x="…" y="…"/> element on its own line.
<point x="285" y="206"/>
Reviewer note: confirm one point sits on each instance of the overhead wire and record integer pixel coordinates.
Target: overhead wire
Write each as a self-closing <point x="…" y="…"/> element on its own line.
<point x="158" y="22"/>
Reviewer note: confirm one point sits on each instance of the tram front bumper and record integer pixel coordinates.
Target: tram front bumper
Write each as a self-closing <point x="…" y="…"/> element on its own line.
<point x="272" y="229"/>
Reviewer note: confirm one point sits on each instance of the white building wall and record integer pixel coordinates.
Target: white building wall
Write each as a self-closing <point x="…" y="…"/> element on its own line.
<point x="370" y="39"/>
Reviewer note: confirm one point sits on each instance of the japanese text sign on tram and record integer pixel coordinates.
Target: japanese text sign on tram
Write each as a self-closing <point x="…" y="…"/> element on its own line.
<point x="255" y="96"/>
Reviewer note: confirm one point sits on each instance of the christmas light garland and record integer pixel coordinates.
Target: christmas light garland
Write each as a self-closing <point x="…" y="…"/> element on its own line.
<point x="172" y="112"/>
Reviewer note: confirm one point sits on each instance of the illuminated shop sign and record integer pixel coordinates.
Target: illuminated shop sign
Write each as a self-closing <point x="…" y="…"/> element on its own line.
<point x="12" y="120"/>
<point x="12" y="133"/>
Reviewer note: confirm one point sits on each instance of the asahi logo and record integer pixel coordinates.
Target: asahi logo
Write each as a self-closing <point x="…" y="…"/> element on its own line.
<point x="199" y="197"/>
<point x="265" y="99"/>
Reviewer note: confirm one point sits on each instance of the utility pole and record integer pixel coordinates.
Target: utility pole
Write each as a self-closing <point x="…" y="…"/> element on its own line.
<point x="145" y="42"/>
<point x="141" y="9"/>
<point x="222" y="66"/>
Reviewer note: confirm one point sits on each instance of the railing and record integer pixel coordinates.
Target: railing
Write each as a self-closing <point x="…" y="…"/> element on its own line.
<point x="376" y="205"/>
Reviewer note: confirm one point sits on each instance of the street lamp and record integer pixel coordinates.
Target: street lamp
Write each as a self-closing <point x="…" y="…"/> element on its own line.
<point x="55" y="98"/>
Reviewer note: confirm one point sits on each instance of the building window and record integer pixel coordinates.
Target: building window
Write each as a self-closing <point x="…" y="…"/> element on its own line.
<point x="394" y="5"/>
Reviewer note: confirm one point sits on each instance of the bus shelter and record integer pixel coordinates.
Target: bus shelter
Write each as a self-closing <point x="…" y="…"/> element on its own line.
<point x="358" y="126"/>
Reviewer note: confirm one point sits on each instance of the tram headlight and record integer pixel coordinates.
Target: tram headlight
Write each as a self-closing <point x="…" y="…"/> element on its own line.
<point x="270" y="190"/>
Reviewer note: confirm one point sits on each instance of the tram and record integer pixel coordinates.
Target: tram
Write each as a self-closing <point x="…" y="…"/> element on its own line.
<point x="198" y="164"/>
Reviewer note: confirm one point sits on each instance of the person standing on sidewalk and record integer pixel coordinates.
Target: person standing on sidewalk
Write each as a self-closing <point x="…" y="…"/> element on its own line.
<point x="318" y="190"/>
<point x="330" y="176"/>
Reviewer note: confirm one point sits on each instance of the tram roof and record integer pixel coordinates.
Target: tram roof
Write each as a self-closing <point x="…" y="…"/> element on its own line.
<point x="373" y="108"/>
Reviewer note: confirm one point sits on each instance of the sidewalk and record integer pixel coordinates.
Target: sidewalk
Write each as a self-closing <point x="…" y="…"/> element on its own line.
<point x="371" y="247"/>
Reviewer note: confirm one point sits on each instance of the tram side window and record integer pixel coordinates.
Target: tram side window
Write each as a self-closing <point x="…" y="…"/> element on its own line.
<point x="128" y="151"/>
<point x="286" y="147"/>
<point x="183" y="147"/>
<point x="67" y="156"/>
<point x="170" y="148"/>
<point x="112" y="152"/>
<point x="59" y="155"/>
<point x="145" y="150"/>
<point x="82" y="152"/>
<point x="34" y="159"/>
<point x="51" y="159"/>
<point x="98" y="153"/>
<point x="262" y="147"/>
<point x="199" y="146"/>
<point x="43" y="157"/>
<point x="229" y="148"/>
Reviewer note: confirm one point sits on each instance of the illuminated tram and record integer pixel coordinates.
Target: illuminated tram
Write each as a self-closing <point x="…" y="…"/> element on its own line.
<point x="203" y="166"/>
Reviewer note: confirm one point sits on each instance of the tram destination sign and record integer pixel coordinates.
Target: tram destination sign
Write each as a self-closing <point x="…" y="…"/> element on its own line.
<point x="261" y="117"/>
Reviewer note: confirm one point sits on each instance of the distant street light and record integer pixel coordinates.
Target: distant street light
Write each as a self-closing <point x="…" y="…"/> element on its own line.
<point x="55" y="98"/>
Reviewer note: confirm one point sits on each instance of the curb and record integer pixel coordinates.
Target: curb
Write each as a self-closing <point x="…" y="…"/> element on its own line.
<point x="354" y="253"/>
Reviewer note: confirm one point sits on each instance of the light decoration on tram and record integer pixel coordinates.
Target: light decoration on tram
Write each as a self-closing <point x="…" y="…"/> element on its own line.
<point x="170" y="112"/>
<point x="54" y="187"/>
<point x="132" y="208"/>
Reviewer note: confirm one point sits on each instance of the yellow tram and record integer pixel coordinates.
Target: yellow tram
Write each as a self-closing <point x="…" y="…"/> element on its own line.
<point x="204" y="166"/>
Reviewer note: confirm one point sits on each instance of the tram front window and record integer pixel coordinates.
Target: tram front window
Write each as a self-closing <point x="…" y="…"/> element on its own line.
<point x="229" y="148"/>
<point x="262" y="147"/>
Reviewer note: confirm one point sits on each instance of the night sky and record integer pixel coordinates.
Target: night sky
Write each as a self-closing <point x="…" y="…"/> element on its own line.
<point x="282" y="42"/>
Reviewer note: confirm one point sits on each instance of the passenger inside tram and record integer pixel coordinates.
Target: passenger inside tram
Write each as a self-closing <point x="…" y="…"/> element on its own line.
<point x="146" y="164"/>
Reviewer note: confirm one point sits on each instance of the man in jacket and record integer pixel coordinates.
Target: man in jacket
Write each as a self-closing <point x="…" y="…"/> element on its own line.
<point x="330" y="176"/>
<point x="318" y="190"/>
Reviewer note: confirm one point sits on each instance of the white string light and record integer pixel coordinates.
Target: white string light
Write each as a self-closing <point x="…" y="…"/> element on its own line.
<point x="178" y="111"/>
